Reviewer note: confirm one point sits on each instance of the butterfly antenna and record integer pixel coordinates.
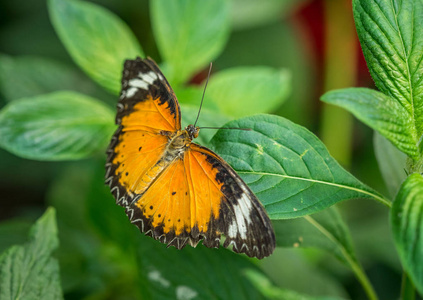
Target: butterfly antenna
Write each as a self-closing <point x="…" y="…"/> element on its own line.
<point x="246" y="129"/>
<point x="204" y="92"/>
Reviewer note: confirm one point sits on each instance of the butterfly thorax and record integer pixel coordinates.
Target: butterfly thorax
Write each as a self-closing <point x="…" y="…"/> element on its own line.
<point x="179" y="142"/>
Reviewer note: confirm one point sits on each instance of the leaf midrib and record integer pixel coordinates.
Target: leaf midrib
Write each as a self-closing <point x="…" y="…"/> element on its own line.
<point x="375" y="196"/>
<point x="414" y="130"/>
<point x="68" y="122"/>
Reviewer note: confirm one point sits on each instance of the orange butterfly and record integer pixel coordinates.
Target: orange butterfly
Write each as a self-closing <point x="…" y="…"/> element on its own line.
<point x="174" y="190"/>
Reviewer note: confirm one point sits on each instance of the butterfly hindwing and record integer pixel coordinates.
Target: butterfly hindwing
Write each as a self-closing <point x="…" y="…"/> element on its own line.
<point x="241" y="217"/>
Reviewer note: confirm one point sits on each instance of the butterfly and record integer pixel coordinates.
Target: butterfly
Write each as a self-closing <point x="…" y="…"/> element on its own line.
<point x="172" y="189"/>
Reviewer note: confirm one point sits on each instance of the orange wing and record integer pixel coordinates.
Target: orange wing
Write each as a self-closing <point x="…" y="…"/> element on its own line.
<point x="201" y="197"/>
<point x="148" y="114"/>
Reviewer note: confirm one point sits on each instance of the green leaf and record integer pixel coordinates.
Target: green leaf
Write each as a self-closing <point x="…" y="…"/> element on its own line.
<point x="29" y="271"/>
<point x="382" y="113"/>
<point x="392" y="163"/>
<point x="98" y="41"/>
<point x="391" y="35"/>
<point x="28" y="76"/>
<point x="189" y="33"/>
<point x="267" y="289"/>
<point x="407" y="227"/>
<point x="288" y="167"/>
<point x="56" y="126"/>
<point x="324" y="230"/>
<point x="193" y="273"/>
<point x="247" y="90"/>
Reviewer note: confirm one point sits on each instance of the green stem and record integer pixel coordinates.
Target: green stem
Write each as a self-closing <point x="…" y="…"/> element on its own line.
<point x="340" y="71"/>
<point x="407" y="288"/>
<point x="355" y="266"/>
<point x="362" y="278"/>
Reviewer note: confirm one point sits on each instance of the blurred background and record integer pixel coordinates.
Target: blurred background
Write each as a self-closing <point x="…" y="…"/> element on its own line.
<point x="314" y="39"/>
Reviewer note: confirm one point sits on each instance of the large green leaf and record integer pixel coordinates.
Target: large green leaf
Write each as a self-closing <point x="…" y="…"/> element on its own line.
<point x="29" y="271"/>
<point x="98" y="41"/>
<point x="56" y="126"/>
<point x="189" y="33"/>
<point x="382" y="113"/>
<point x="391" y="35"/>
<point x="407" y="227"/>
<point x="392" y="163"/>
<point x="288" y="167"/>
<point x="193" y="273"/>
<point x="324" y="230"/>
<point x="247" y="90"/>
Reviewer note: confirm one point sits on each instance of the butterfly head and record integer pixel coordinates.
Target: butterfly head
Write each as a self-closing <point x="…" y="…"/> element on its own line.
<point x="192" y="131"/>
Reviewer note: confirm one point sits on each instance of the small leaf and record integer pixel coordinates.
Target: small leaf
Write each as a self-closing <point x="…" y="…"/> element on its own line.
<point x="382" y="113"/>
<point x="98" y="41"/>
<point x="407" y="227"/>
<point x="288" y="168"/>
<point x="189" y="33"/>
<point x="56" y="126"/>
<point x="391" y="162"/>
<point x="29" y="271"/>
<point x="247" y="90"/>
<point x="391" y="35"/>
<point x="324" y="230"/>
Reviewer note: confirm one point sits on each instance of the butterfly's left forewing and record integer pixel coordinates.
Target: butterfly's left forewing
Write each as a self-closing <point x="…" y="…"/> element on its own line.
<point x="147" y="113"/>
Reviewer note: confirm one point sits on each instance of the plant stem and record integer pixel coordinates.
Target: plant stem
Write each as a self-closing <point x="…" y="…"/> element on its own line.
<point x="407" y="288"/>
<point x="355" y="266"/>
<point x="361" y="276"/>
<point x="340" y="71"/>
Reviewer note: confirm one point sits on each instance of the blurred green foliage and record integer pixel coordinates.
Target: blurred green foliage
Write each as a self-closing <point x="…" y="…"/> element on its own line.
<point x="53" y="111"/>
